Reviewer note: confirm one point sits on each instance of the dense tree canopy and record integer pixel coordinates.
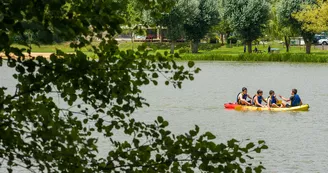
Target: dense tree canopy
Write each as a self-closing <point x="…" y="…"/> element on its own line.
<point x="247" y="18"/>
<point x="275" y="29"/>
<point x="314" y="17"/>
<point x="204" y="17"/>
<point x="49" y="120"/>
<point x="286" y="9"/>
<point x="174" y="21"/>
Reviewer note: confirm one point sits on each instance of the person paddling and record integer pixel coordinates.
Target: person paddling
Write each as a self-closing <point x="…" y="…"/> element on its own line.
<point x="257" y="99"/>
<point x="242" y="96"/>
<point x="295" y="99"/>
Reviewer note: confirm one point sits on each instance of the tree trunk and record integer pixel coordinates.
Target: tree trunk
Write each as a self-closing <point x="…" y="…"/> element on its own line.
<point x="172" y="47"/>
<point x="221" y="38"/>
<point x="308" y="47"/>
<point x="286" y="43"/>
<point x="249" y="46"/>
<point x="194" y="46"/>
<point x="161" y="34"/>
<point x="308" y="37"/>
<point x="132" y="39"/>
<point x="227" y="36"/>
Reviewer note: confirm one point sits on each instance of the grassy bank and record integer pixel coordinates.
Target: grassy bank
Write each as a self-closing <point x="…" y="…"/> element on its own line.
<point x="281" y="57"/>
<point x="236" y="53"/>
<point x="213" y="52"/>
<point x="52" y="48"/>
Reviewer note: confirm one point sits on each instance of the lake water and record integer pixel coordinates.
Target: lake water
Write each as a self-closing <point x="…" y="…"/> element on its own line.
<point x="297" y="140"/>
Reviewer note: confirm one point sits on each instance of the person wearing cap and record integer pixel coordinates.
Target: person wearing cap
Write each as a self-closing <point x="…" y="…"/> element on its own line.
<point x="257" y="99"/>
<point x="242" y="97"/>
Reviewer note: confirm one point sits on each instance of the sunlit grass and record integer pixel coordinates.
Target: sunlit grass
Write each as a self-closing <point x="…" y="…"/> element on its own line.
<point x="224" y="53"/>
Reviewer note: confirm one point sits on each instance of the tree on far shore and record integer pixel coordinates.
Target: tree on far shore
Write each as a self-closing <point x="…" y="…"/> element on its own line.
<point x="247" y="18"/>
<point x="276" y="30"/>
<point x="314" y="17"/>
<point x="184" y="10"/>
<point x="286" y="9"/>
<point x="206" y="16"/>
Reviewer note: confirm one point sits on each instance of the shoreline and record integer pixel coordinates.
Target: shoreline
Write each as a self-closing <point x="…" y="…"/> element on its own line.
<point x="244" y="57"/>
<point x="33" y="54"/>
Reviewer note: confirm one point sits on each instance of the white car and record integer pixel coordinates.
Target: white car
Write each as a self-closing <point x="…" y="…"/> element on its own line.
<point x="140" y="37"/>
<point x="323" y="41"/>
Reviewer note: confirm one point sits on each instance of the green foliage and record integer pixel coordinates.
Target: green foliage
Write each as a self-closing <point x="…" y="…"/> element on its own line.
<point x="285" y="11"/>
<point x="204" y="17"/>
<point x="247" y="18"/>
<point x="276" y="29"/>
<point x="50" y="120"/>
<point x="174" y="20"/>
<point x="208" y="47"/>
<point x="282" y="57"/>
<point x="184" y="50"/>
<point x="232" y="39"/>
<point x="180" y="46"/>
<point x="223" y="27"/>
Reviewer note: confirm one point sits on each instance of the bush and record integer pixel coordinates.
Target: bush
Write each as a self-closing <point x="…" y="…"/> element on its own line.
<point x="185" y="45"/>
<point x="184" y="50"/>
<point x="283" y="57"/>
<point x="37" y="37"/>
<point x="166" y="45"/>
<point x="207" y="46"/>
<point x="233" y="40"/>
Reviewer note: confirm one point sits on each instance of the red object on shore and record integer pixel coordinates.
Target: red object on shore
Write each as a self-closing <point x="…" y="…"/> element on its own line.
<point x="230" y="105"/>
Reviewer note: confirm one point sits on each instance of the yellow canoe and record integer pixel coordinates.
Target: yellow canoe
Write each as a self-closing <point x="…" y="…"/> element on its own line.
<point x="254" y="108"/>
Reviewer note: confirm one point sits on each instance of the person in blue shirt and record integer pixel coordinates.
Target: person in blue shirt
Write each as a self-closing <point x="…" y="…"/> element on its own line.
<point x="273" y="101"/>
<point x="257" y="99"/>
<point x="295" y="99"/>
<point x="242" y="96"/>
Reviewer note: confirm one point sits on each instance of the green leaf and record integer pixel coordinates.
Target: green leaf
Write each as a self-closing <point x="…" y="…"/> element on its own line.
<point x="196" y="128"/>
<point x="264" y="147"/>
<point x="231" y="143"/>
<point x="209" y="135"/>
<point x="261" y="141"/>
<point x="248" y="170"/>
<point x="192" y="133"/>
<point x="250" y="145"/>
<point x="160" y="119"/>
<point x="165" y="123"/>
<point x="191" y="64"/>
<point x="155" y="75"/>
<point x="257" y="150"/>
<point x="155" y="82"/>
<point x="20" y="69"/>
<point x="242" y="160"/>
